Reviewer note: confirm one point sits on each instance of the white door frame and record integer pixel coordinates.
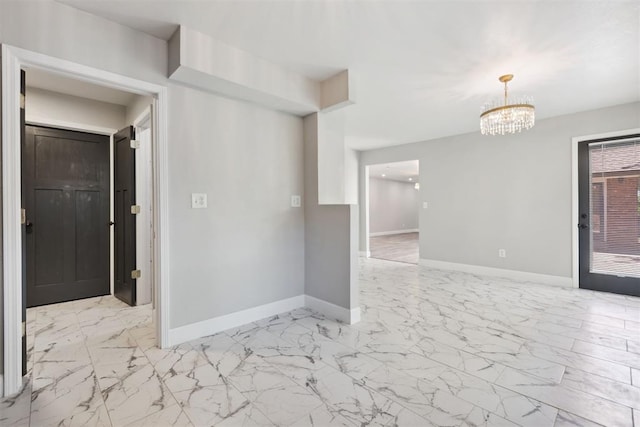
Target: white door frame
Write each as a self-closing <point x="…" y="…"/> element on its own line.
<point x="575" y="237"/>
<point x="13" y="59"/>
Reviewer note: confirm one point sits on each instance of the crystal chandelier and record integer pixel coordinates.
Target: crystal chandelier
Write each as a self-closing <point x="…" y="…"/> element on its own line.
<point x="500" y="117"/>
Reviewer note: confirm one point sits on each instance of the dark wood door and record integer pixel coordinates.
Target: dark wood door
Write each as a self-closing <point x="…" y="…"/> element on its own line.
<point x="609" y="215"/>
<point x="65" y="190"/>
<point x="125" y="221"/>
<point x="23" y="93"/>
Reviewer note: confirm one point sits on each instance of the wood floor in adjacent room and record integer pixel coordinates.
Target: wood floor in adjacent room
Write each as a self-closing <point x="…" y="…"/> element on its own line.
<point x="396" y="247"/>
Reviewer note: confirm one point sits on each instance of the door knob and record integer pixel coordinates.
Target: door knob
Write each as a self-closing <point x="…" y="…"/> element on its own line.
<point x="582" y="226"/>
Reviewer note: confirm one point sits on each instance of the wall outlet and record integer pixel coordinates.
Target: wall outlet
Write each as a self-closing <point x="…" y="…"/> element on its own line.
<point x="198" y="200"/>
<point x="296" y="201"/>
<point x="425" y="205"/>
<point x="502" y="253"/>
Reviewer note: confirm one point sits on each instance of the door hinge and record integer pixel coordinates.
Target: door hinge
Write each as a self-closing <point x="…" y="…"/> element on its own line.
<point x="22" y="101"/>
<point x="135" y="274"/>
<point x="135" y="144"/>
<point x="135" y="209"/>
<point x="24" y="329"/>
<point x="23" y="216"/>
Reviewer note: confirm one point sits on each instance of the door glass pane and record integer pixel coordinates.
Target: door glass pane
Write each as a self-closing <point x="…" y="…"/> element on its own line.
<point x="615" y="208"/>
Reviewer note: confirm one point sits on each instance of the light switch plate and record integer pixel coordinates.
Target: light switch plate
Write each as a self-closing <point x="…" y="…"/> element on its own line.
<point x="198" y="200"/>
<point x="295" y="201"/>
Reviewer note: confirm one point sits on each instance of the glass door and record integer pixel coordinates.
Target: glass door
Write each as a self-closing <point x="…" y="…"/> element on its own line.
<point x="609" y="210"/>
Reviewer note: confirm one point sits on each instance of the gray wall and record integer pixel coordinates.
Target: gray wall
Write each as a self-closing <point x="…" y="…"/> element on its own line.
<point x="393" y="205"/>
<point x="247" y="248"/>
<point x="331" y="235"/>
<point x="511" y="192"/>
<point x="44" y="104"/>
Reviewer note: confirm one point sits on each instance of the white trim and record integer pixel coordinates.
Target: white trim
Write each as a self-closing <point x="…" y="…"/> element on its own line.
<point x="233" y="320"/>
<point x="392" y="232"/>
<point x="575" y="237"/>
<point x="13" y="59"/>
<point x="11" y="236"/>
<point x="523" y="276"/>
<point x="1" y="382"/>
<point x="333" y="311"/>
<point x="365" y="254"/>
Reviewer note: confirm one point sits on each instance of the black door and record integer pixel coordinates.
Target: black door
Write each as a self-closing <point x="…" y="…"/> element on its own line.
<point x="65" y="190"/>
<point x="125" y="221"/>
<point x="609" y="210"/>
<point x="23" y="230"/>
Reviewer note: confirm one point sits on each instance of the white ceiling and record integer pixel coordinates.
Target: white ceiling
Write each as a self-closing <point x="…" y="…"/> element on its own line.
<point x="398" y="171"/>
<point x="56" y="83"/>
<point x="424" y="68"/>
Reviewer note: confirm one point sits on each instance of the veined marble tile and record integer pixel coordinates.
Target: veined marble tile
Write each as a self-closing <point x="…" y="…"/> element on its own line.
<point x="337" y="331"/>
<point x="565" y="419"/>
<point x="634" y="346"/>
<point x="58" y="362"/>
<point x="145" y="335"/>
<point x="624" y="394"/>
<point x="437" y="405"/>
<point x="244" y="333"/>
<point x="610" y="331"/>
<point x="272" y="391"/>
<point x="408" y="418"/>
<point x="630" y="325"/>
<point x="583" y="362"/>
<point x="479" y="417"/>
<point x="351" y="399"/>
<point x="132" y="392"/>
<point x="16" y="410"/>
<point x="347" y="360"/>
<point x="324" y="417"/>
<point x="212" y="405"/>
<point x="458" y="359"/>
<point x="115" y="347"/>
<point x="174" y="361"/>
<point x="573" y="401"/>
<point x="73" y="399"/>
<point x="172" y="416"/>
<point x="248" y="416"/>
<point x="619" y="356"/>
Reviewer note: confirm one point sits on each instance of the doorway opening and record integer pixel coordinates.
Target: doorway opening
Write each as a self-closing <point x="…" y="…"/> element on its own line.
<point x="609" y="214"/>
<point x="14" y="60"/>
<point x="393" y="211"/>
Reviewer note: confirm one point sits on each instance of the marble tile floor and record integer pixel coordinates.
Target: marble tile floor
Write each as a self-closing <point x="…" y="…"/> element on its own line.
<point x="434" y="348"/>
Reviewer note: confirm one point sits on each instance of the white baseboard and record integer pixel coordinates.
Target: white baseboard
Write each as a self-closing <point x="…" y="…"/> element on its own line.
<point x="239" y="318"/>
<point x="333" y="311"/>
<point x="365" y="254"/>
<point x="389" y="233"/>
<point x="565" y="282"/>
<point x="232" y="320"/>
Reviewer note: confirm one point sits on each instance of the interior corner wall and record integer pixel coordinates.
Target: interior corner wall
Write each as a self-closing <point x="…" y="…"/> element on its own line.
<point x="46" y="107"/>
<point x="514" y="192"/>
<point x="136" y="108"/>
<point x="247" y="248"/>
<point x="393" y="206"/>
<point x="331" y="235"/>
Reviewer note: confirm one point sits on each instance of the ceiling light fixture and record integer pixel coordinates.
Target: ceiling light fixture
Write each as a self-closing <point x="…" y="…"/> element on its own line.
<point x="410" y="179"/>
<point x="499" y="117"/>
<point x="383" y="175"/>
<point x="417" y="186"/>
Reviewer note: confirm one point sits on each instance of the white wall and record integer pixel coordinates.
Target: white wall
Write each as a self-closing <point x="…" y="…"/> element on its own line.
<point x="247" y="248"/>
<point x="43" y="106"/>
<point x="393" y="206"/>
<point x="511" y="192"/>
